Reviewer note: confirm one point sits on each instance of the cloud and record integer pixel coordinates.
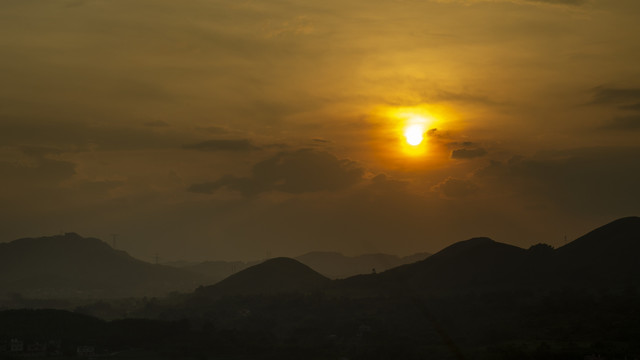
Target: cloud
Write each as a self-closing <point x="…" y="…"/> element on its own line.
<point x="627" y="99"/>
<point x="465" y="153"/>
<point x="456" y="144"/>
<point x="585" y="180"/>
<point x="629" y="123"/>
<point x="214" y="129"/>
<point x="540" y="2"/>
<point x="634" y="107"/>
<point x="462" y="97"/>
<point x="294" y="172"/>
<point x="607" y="95"/>
<point x="455" y="188"/>
<point x="560" y="2"/>
<point x="223" y="145"/>
<point x="87" y="135"/>
<point x="42" y="172"/>
<point x="156" y="123"/>
<point x="40" y="152"/>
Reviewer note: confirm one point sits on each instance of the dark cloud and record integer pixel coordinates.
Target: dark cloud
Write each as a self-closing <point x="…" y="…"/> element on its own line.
<point x="293" y="172"/>
<point x="156" y="123"/>
<point x="560" y="2"/>
<point x="606" y="95"/>
<point x="40" y="151"/>
<point x="99" y="186"/>
<point x="627" y="99"/>
<point x="280" y="146"/>
<point x="465" y="153"/>
<point x="624" y="123"/>
<point x="456" y="188"/>
<point x="434" y="133"/>
<point x="223" y="145"/>
<point x="549" y="2"/>
<point x="83" y="136"/>
<point x="634" y="107"/>
<point x="589" y="180"/>
<point x="465" y="144"/>
<point x="214" y="129"/>
<point x="463" y="98"/>
<point x="42" y="172"/>
<point x="319" y="140"/>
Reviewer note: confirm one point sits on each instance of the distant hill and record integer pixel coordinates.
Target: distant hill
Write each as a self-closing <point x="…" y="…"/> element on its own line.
<point x="335" y="265"/>
<point x="278" y="275"/>
<point x="213" y="271"/>
<point x="477" y="264"/>
<point x="70" y="265"/>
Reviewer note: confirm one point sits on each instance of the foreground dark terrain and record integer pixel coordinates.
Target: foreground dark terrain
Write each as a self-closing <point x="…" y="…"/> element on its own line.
<point x="477" y="299"/>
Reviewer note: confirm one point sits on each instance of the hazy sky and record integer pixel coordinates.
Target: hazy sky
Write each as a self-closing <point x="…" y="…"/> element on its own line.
<point x="223" y="129"/>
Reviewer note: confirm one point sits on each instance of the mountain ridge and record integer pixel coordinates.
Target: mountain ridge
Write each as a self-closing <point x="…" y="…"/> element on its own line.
<point x="70" y="265"/>
<point x="604" y="257"/>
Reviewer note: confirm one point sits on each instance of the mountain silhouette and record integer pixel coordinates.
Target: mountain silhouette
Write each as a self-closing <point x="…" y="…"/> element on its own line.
<point x="605" y="257"/>
<point x="477" y="264"/>
<point x="278" y="275"/>
<point x="215" y="271"/>
<point x="333" y="265"/>
<point x="70" y="265"/>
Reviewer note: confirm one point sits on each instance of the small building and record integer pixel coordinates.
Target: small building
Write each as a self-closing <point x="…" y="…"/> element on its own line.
<point x="594" y="357"/>
<point x="36" y="349"/>
<point x="85" y="351"/>
<point x="16" y="345"/>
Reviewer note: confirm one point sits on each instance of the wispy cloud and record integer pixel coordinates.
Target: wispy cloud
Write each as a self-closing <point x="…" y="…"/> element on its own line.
<point x="293" y="172"/>
<point x="223" y="145"/>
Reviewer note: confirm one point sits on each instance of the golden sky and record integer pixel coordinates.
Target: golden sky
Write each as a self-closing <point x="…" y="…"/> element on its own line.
<point x="211" y="129"/>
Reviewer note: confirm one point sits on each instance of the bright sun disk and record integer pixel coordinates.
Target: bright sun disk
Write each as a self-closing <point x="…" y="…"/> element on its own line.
<point x="414" y="134"/>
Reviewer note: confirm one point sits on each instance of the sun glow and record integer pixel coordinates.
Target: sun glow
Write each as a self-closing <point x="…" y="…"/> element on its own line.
<point x="409" y="136"/>
<point x="413" y="126"/>
<point x="414" y="134"/>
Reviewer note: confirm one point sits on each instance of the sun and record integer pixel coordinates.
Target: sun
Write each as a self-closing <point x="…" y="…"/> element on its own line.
<point x="414" y="134"/>
<point x="408" y="131"/>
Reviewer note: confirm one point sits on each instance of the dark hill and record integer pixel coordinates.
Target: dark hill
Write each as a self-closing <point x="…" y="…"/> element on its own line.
<point x="279" y="275"/>
<point x="617" y="237"/>
<point x="478" y="264"/>
<point x="605" y="257"/>
<point x="70" y="265"/>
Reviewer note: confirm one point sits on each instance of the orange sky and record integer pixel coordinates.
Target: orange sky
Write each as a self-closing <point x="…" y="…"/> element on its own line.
<point x="222" y="129"/>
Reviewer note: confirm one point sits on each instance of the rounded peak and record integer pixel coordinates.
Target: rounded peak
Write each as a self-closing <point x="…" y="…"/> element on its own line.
<point x="479" y="240"/>
<point x="277" y="275"/>
<point x="332" y="253"/>
<point x="625" y="225"/>
<point x="623" y="222"/>
<point x="281" y="261"/>
<point x="60" y="238"/>
<point x="277" y="267"/>
<point x="475" y="246"/>
<point x="71" y="235"/>
<point x="621" y="232"/>
<point x="473" y="242"/>
<point x="280" y="265"/>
